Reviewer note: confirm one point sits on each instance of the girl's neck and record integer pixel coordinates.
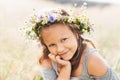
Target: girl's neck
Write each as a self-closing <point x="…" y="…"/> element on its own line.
<point x="78" y="71"/>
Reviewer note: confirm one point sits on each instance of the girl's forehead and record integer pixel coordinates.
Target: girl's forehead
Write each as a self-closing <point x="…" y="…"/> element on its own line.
<point x="57" y="31"/>
<point x="56" y="28"/>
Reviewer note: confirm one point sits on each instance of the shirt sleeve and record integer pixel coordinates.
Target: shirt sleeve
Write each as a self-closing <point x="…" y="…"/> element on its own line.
<point x="110" y="75"/>
<point x="48" y="73"/>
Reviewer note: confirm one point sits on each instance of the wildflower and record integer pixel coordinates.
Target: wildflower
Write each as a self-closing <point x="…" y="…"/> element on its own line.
<point x="51" y="17"/>
<point x="79" y="18"/>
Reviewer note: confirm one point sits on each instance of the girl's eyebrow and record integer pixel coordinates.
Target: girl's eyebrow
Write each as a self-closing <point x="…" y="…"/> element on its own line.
<point x="51" y="44"/>
<point x="60" y="40"/>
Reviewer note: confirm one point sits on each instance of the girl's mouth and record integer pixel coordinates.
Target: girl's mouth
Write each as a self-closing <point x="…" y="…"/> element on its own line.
<point x="63" y="54"/>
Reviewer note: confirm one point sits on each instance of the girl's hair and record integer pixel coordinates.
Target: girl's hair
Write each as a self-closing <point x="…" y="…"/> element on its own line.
<point x="81" y="45"/>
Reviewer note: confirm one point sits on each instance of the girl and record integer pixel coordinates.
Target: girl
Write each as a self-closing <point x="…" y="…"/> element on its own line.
<point x="66" y="54"/>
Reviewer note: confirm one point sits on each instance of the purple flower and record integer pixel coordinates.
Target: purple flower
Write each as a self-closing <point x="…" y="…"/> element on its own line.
<point x="41" y="16"/>
<point x="51" y="17"/>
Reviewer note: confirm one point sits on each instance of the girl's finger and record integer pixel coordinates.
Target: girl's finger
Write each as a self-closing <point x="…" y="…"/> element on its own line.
<point x="60" y="61"/>
<point x="52" y="57"/>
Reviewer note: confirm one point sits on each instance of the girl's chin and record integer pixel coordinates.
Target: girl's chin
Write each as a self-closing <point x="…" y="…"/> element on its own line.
<point x="66" y="59"/>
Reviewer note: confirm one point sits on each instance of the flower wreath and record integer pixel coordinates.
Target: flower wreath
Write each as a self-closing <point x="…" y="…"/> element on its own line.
<point x="48" y="18"/>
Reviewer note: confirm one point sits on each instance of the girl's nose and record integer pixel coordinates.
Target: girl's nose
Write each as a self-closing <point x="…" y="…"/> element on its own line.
<point x="60" y="48"/>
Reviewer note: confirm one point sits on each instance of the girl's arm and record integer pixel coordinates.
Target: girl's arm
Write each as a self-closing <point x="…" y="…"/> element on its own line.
<point x="65" y="72"/>
<point x="65" y="67"/>
<point x="99" y="69"/>
<point x="46" y="70"/>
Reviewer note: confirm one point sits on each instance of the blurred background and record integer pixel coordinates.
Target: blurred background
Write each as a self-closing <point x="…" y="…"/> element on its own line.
<point x="19" y="58"/>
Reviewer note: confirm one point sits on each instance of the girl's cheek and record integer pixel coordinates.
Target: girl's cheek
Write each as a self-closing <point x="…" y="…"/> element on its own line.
<point x="52" y="51"/>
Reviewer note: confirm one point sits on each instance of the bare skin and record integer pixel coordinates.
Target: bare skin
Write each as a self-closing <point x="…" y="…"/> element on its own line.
<point x="61" y="51"/>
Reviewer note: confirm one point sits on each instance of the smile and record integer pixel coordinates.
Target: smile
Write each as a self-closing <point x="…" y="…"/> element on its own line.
<point x="63" y="54"/>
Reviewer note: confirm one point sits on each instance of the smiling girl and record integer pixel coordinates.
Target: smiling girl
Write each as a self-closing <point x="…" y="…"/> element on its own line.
<point x="66" y="54"/>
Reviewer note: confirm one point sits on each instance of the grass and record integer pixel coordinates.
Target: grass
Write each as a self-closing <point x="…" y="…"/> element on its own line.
<point x="19" y="60"/>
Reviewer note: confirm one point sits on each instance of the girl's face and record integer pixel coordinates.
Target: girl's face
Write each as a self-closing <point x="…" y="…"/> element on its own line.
<point x="60" y="40"/>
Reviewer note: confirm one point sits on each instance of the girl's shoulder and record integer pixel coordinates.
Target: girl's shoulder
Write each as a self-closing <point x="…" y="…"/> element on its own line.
<point x="96" y="65"/>
<point x="46" y="63"/>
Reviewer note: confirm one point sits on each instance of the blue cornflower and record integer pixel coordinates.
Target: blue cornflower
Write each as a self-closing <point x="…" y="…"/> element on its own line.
<point x="51" y="18"/>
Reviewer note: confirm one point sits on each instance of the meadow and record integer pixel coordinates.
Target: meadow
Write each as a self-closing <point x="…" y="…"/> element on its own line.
<point x="19" y="58"/>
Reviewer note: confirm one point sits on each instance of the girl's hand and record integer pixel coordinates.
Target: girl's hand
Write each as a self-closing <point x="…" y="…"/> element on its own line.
<point x="65" y="67"/>
<point x="58" y="60"/>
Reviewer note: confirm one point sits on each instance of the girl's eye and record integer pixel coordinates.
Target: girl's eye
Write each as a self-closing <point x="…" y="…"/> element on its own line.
<point x="51" y="45"/>
<point x="64" y="39"/>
